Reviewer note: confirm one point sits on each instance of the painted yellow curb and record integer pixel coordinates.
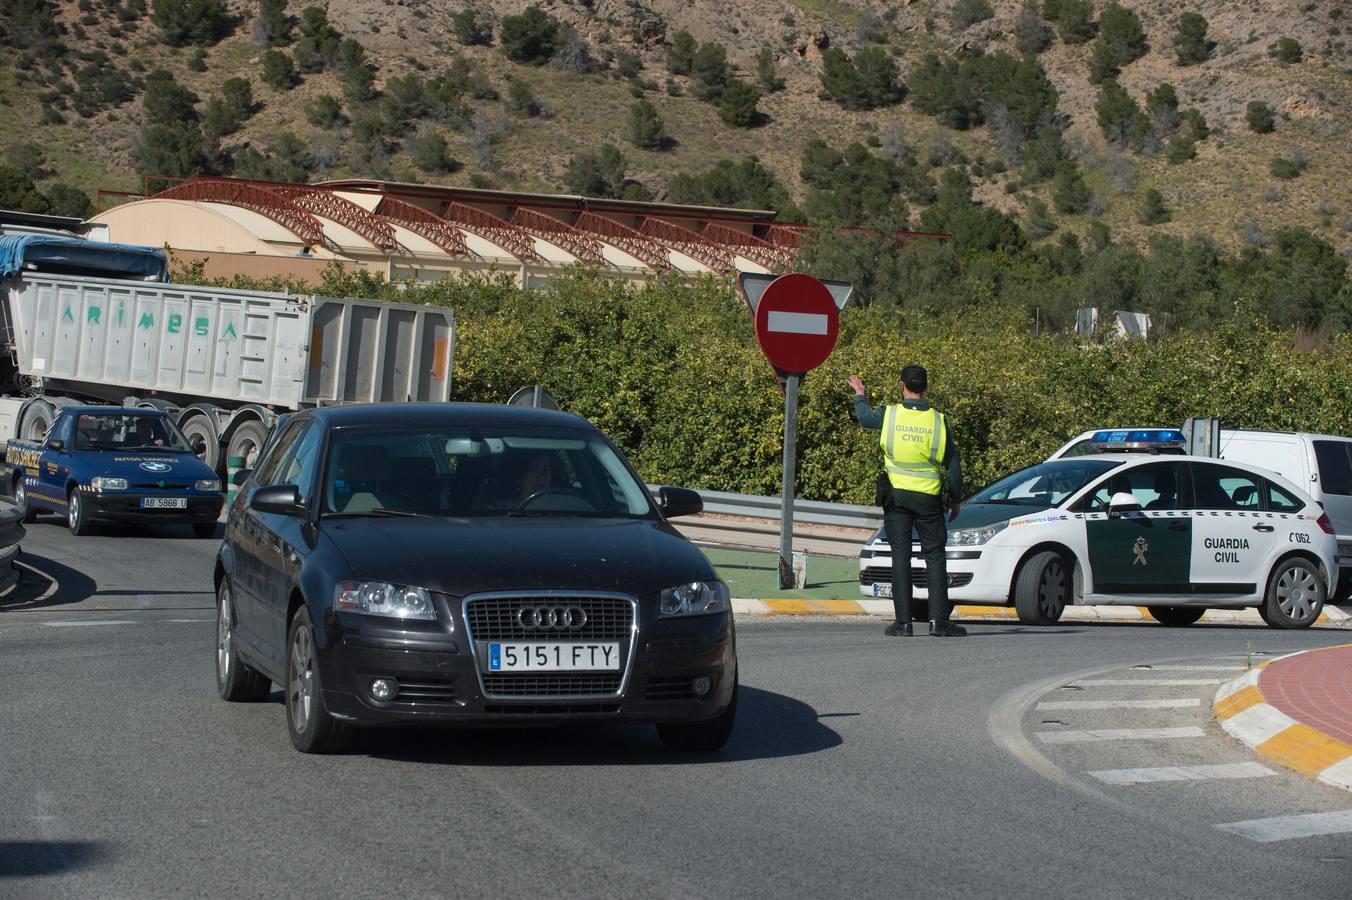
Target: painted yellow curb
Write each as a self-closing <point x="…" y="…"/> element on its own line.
<point x="1245" y="713"/>
<point x="815" y="607"/>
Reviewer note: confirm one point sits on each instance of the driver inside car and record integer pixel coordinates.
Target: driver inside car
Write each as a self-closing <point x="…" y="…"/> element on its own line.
<point x="535" y="473"/>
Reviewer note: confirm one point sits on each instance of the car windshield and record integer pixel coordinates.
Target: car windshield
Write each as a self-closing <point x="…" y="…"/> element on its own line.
<point x="128" y="431"/>
<point x="450" y="471"/>
<point x="1046" y="484"/>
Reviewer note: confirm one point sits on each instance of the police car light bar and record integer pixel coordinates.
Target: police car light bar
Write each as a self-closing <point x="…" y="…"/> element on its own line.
<point x="1139" y="439"/>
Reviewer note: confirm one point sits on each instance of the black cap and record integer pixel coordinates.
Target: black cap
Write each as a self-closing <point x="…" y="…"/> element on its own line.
<point x="915" y="378"/>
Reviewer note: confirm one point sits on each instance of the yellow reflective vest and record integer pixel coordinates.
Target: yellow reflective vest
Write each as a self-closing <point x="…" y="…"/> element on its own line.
<point x="913" y="442"/>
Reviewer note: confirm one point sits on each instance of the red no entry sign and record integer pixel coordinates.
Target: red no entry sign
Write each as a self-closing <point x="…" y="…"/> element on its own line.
<point x="797" y="323"/>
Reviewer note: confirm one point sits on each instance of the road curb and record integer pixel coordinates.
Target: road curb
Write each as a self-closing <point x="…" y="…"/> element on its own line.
<point x="1332" y="617"/>
<point x="1245" y="714"/>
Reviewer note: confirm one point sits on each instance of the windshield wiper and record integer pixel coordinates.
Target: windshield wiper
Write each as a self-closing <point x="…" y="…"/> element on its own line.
<point x="379" y="514"/>
<point x="152" y="447"/>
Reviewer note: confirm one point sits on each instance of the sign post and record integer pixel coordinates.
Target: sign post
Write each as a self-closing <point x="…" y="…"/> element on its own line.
<point x="797" y="321"/>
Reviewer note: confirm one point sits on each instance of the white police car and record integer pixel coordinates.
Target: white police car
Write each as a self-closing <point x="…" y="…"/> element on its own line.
<point x="1178" y="534"/>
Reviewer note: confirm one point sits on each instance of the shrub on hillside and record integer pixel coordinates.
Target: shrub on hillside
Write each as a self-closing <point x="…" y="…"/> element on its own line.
<point x="1153" y="210"/>
<point x="191" y="21"/>
<point x="1191" y="45"/>
<point x="17" y="192"/>
<point x="1286" y="50"/>
<point x="746" y="184"/>
<point x="67" y="200"/>
<point x="868" y="81"/>
<point x="766" y="79"/>
<point x="530" y="38"/>
<point x="1030" y="34"/>
<point x="1074" y="20"/>
<point x="709" y="70"/>
<point x="645" y="128"/>
<point x="737" y="104"/>
<point x="278" y="71"/>
<point x="472" y="28"/>
<point x="1286" y="169"/>
<point x="1259" y="116"/>
<point x="1119" y="117"/>
<point x="966" y="13"/>
<point x="1069" y="192"/>
<point x="681" y="53"/>
<point x="317" y="48"/>
<point x="1181" y="149"/>
<point x="429" y="152"/>
<point x="272" y="26"/>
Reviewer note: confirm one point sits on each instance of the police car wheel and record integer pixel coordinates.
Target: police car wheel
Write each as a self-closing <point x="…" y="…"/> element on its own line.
<point x="235" y="681"/>
<point x="1176" y="616"/>
<point x="1042" y="589"/>
<point x="1295" y="594"/>
<point x="77" y="518"/>
<point x="26" y="512"/>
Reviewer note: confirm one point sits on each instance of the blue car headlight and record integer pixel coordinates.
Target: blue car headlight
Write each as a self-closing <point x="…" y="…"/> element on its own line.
<point x="101" y="483"/>
<point x="207" y="484"/>
<point x="694" y="598"/>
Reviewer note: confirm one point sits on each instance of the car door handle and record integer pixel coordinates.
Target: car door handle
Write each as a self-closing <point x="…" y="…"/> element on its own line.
<point x="1263" y="528"/>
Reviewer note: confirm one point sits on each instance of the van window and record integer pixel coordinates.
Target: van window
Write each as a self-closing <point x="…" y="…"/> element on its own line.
<point x="1335" y="469"/>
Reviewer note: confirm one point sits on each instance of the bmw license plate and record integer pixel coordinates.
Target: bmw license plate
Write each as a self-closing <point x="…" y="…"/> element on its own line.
<point x="164" y="503"/>
<point x="553" y="657"/>
<point x="882" y="589"/>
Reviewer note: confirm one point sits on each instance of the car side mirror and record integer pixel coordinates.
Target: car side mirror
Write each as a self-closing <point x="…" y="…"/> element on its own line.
<point x="57" y="445"/>
<point x="240" y="477"/>
<point x="283" y="499"/>
<point x="676" y="501"/>
<point x="1122" y="502"/>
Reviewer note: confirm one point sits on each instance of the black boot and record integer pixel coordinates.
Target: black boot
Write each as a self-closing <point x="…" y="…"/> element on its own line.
<point x="896" y="629"/>
<point x="946" y="629"/>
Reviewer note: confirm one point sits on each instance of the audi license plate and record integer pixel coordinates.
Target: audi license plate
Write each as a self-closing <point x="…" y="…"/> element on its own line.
<point x="164" y="503"/>
<point x="882" y="589"/>
<point x="553" y="657"/>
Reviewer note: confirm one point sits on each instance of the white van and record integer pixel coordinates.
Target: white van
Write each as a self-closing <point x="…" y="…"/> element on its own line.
<point x="1319" y="464"/>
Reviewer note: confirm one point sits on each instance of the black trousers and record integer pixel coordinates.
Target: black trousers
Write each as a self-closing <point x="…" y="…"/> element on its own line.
<point x="907" y="510"/>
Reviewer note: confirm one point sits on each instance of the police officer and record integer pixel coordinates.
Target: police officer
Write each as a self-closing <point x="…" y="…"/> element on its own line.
<point x="918" y="455"/>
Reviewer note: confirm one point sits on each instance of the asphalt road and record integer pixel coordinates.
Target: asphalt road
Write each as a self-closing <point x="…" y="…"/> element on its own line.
<point x="860" y="766"/>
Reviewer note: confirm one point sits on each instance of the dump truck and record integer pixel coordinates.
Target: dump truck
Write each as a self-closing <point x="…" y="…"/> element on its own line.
<point x="85" y="322"/>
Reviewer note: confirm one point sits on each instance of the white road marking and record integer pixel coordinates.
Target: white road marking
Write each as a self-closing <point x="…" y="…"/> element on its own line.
<point x="1117" y="734"/>
<point x="1120" y="704"/>
<point x="1285" y="828"/>
<point x="1182" y="773"/>
<point x="796" y="323"/>
<point x="1152" y="682"/>
<point x="181" y="621"/>
<point x="1221" y="668"/>
<point x="86" y="623"/>
<point x="52" y="585"/>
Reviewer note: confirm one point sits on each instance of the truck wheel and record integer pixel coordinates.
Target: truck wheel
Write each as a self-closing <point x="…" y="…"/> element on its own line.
<point x="77" y="517"/>
<point x="37" y="421"/>
<point x="1042" y="589"/>
<point x="27" y="512"/>
<point x="1176" y="616"/>
<point x="700" y="737"/>
<point x="308" y="722"/>
<point x="246" y="441"/>
<point x="235" y="681"/>
<point x="1295" y="594"/>
<point x="198" y="429"/>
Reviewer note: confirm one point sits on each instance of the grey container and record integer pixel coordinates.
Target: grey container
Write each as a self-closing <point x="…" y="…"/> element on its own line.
<point x="280" y="350"/>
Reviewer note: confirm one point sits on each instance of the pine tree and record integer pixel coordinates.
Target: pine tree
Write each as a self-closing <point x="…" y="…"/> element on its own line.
<point x="1190" y="42"/>
<point x="645" y="128"/>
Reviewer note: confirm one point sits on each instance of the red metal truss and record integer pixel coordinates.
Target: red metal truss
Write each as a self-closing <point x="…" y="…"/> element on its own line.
<point x="753" y="248"/>
<point x="509" y="237"/>
<point x="691" y="243"/>
<point x="343" y="211"/>
<point x="265" y="202"/>
<point x="421" y="222"/>
<point x="579" y="243"/>
<point x="783" y="234"/>
<point x="627" y="239"/>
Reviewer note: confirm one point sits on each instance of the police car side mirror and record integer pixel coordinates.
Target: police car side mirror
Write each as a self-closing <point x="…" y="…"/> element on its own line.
<point x="58" y="446"/>
<point x="1122" y="502"/>
<point x="675" y="501"/>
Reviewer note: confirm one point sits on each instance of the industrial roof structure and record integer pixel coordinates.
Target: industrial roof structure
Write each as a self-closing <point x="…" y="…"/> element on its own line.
<point x="424" y="232"/>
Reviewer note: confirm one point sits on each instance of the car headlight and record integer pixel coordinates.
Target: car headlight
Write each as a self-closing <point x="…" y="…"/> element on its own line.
<point x="695" y="598"/>
<point x="379" y="598"/>
<point x="102" y="483"/>
<point x="207" y="484"/>
<point x="968" y="537"/>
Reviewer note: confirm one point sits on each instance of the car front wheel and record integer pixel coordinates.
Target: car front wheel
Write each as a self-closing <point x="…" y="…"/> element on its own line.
<point x="77" y="517"/>
<point x="1295" y="594"/>
<point x="311" y="727"/>
<point x="701" y="737"/>
<point x="26" y="512"/>
<point x="1042" y="589"/>
<point x="235" y="681"/>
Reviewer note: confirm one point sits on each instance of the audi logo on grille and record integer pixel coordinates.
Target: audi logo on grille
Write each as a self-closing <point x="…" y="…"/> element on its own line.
<point x="551" y="618"/>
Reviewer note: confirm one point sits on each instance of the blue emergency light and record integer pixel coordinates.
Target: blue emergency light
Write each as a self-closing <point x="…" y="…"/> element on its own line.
<point x="1148" y="439"/>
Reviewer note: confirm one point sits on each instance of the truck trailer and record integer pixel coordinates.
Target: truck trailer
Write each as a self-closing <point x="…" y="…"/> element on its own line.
<point x="86" y="322"/>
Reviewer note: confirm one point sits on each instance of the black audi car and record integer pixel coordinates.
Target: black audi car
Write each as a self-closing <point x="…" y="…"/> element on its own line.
<point x="403" y="564"/>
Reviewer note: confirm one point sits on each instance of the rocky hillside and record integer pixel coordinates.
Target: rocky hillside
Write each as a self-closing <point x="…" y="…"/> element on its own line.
<point x="76" y="86"/>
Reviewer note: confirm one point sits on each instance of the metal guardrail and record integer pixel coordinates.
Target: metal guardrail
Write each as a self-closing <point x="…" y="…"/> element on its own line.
<point x="812" y="512"/>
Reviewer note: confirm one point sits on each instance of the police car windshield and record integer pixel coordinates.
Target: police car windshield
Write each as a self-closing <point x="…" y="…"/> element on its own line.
<point x="1046" y="484"/>
<point x="128" y="432"/>
<point x="460" y="472"/>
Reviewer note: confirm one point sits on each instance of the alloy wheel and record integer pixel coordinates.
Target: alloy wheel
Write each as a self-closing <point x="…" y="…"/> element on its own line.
<point x="223" y="636"/>
<point x="300" y="688"/>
